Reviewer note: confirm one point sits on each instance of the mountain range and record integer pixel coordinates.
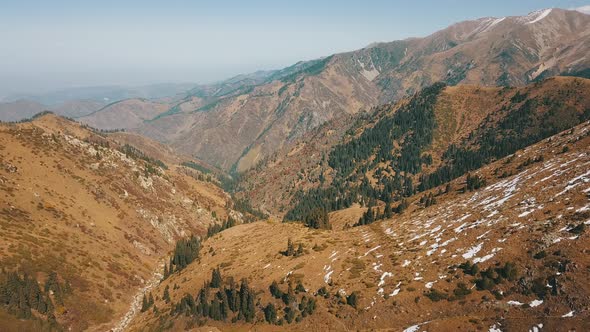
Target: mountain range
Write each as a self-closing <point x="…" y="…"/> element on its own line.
<point x="241" y="122"/>
<point x="428" y="184"/>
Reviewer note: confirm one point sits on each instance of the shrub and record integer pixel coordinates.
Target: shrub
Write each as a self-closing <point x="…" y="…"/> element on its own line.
<point x="436" y="296"/>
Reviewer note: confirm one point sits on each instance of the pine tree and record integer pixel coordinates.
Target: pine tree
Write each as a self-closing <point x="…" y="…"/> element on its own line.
<point x="352" y="299"/>
<point x="166" y="271"/>
<point x="215" y="278"/>
<point x="289" y="314"/>
<point x="144" y="304"/>
<point x="275" y="291"/>
<point x="270" y="313"/>
<point x="224" y="304"/>
<point x="289" y="296"/>
<point x="166" y="295"/>
<point x="246" y="302"/>
<point x="299" y="288"/>
<point x="215" y="310"/>
<point x="299" y="250"/>
<point x="290" y="248"/>
<point x="151" y="300"/>
<point x="388" y="213"/>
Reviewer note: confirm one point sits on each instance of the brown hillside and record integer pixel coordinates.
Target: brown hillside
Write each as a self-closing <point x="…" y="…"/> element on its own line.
<point x="125" y="114"/>
<point x="460" y="111"/>
<point x="72" y="203"/>
<point x="530" y="219"/>
<point x="239" y="129"/>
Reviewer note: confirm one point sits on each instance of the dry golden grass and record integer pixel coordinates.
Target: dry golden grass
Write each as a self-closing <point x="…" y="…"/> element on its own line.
<point x="406" y="247"/>
<point x="93" y="220"/>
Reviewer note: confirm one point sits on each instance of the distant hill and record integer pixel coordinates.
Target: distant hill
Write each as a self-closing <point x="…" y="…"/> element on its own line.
<point x="105" y="94"/>
<point x="237" y="127"/>
<point x="20" y="109"/>
<point x="90" y="217"/>
<point x="124" y="114"/>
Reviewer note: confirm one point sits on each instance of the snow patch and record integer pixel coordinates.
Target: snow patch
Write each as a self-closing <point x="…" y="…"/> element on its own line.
<point x="536" y="16"/>
<point x="472" y="251"/>
<point x="415" y="328"/>
<point x="495" y="328"/>
<point x="569" y="314"/>
<point x="514" y="303"/>
<point x="370" y="250"/>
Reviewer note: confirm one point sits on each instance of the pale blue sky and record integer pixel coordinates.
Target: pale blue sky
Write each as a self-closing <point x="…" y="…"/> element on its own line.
<point x="47" y="45"/>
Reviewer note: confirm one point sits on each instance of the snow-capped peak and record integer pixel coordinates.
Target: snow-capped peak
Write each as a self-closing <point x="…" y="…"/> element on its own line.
<point x="535" y="16"/>
<point x="583" y="9"/>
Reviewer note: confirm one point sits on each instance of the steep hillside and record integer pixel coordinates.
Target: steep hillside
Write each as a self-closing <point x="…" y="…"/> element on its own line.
<point x="274" y="181"/>
<point x="125" y="114"/>
<point x="237" y="128"/>
<point x="250" y="125"/>
<point x="77" y="108"/>
<point x="90" y="219"/>
<point x="413" y="147"/>
<point x="419" y="142"/>
<point x="509" y="256"/>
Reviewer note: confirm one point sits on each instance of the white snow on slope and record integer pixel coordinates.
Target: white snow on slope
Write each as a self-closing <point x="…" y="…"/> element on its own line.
<point x="496" y="21"/>
<point x="569" y="314"/>
<point x="538" y="15"/>
<point x="472" y="251"/>
<point x="494" y="328"/>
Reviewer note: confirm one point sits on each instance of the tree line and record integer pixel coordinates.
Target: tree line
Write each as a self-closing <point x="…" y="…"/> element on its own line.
<point x="397" y="141"/>
<point x="23" y="296"/>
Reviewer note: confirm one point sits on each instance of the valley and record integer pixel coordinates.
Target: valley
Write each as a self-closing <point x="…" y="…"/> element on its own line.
<point x="439" y="183"/>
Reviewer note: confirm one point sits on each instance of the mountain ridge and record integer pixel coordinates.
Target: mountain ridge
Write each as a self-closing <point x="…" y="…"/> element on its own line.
<point x="312" y="92"/>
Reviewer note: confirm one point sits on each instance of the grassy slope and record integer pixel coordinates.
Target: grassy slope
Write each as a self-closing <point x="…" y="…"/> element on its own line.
<point x="101" y="223"/>
<point x="422" y="247"/>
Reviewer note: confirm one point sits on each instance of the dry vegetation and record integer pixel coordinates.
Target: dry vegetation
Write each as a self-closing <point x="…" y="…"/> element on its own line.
<point x="74" y="204"/>
<point x="407" y="271"/>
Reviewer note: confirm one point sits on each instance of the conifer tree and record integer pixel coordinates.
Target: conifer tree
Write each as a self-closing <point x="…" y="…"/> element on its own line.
<point x="275" y="291"/>
<point x="215" y="278"/>
<point x="166" y="295"/>
<point x="290" y="248"/>
<point x="270" y="313"/>
<point x="166" y="271"/>
<point x="299" y="288"/>
<point x="144" y="304"/>
<point x="151" y="300"/>
<point x="388" y="212"/>
<point x="299" y="250"/>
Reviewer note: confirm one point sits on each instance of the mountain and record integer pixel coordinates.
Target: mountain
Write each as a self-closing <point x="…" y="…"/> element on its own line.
<point x="87" y="221"/>
<point x="76" y="108"/>
<point x="125" y="114"/>
<point x="238" y="128"/>
<point x="20" y="109"/>
<point x="82" y="102"/>
<point x="25" y="109"/>
<point x="105" y="94"/>
<point x="421" y="141"/>
<point x="507" y="256"/>
<point x="437" y="183"/>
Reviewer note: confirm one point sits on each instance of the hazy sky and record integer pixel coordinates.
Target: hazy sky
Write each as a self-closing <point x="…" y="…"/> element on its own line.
<point x="48" y="45"/>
